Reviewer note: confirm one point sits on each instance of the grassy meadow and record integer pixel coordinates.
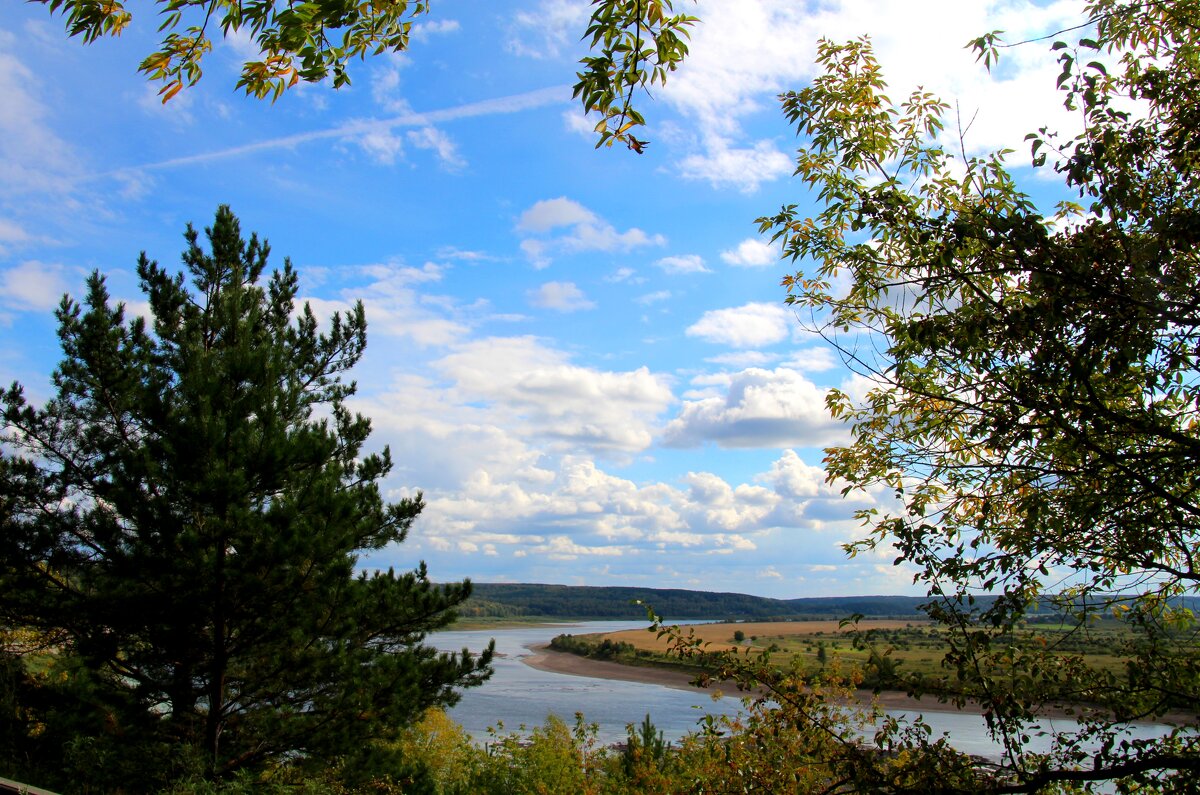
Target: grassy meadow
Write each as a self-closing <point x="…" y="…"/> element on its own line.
<point x="909" y="646"/>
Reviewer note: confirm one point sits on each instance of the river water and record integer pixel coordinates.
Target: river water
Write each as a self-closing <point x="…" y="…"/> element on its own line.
<point x="518" y="694"/>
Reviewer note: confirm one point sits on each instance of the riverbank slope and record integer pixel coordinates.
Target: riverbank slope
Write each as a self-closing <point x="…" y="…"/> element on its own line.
<point x="546" y="659"/>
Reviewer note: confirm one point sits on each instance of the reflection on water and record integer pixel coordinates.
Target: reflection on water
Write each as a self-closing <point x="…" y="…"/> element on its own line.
<point x="518" y="694"/>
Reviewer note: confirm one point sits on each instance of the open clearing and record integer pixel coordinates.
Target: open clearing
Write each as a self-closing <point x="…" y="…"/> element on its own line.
<point x="757" y="634"/>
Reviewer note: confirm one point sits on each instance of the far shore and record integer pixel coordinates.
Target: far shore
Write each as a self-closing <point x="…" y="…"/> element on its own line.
<point x="546" y="659"/>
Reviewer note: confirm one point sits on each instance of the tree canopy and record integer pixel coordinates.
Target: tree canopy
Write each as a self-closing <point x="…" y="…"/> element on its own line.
<point x="1032" y="406"/>
<point x="634" y="45"/>
<point x="180" y="527"/>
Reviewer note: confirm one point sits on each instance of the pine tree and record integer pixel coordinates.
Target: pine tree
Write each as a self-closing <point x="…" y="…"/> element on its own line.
<point x="181" y="525"/>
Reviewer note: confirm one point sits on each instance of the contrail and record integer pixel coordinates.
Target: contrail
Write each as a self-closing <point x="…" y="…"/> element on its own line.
<point x="487" y="107"/>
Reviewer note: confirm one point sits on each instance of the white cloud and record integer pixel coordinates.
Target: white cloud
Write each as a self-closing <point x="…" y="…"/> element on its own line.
<point x="242" y="45"/>
<point x="12" y="234"/>
<point x="33" y="158"/>
<point x="383" y="146"/>
<point x="453" y="253"/>
<point x="550" y="214"/>
<point x="33" y="286"/>
<point x="722" y="164"/>
<point x="548" y="29"/>
<point x="425" y="29"/>
<point x="585" y="231"/>
<point x="535" y="391"/>
<point x="395" y="275"/>
<point x="811" y="360"/>
<point x="687" y="263"/>
<point x="744" y="359"/>
<point x="394" y="308"/>
<point x="177" y="110"/>
<point x="743" y="54"/>
<point x="653" y="298"/>
<point x="791" y="477"/>
<point x="386" y="81"/>
<point x="746" y="326"/>
<point x="352" y="129"/>
<point x="560" y="296"/>
<point x="751" y="253"/>
<point x="439" y="143"/>
<point x="624" y="275"/>
<point x="759" y="408"/>
<point x="579" y="124"/>
<point x="582" y="510"/>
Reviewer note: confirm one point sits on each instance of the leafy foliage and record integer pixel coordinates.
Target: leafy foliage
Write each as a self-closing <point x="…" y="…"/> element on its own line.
<point x="637" y="43"/>
<point x="1034" y="395"/>
<point x="640" y="42"/>
<point x="180" y="528"/>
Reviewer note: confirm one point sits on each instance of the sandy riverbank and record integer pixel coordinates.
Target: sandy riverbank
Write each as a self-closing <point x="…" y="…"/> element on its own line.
<point x="546" y="659"/>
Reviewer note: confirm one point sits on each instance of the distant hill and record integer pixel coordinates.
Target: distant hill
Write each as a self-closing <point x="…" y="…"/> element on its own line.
<point x="532" y="600"/>
<point x="582" y="601"/>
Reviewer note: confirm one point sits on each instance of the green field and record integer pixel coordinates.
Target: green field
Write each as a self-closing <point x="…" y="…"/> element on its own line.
<point x="891" y="654"/>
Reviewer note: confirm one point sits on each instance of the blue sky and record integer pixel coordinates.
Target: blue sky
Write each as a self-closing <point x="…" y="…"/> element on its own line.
<point x="580" y="356"/>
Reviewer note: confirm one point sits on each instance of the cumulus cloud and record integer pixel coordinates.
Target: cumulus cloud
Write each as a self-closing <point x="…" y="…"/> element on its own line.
<point x="537" y="391"/>
<point x="746" y="53"/>
<point x="746" y="326"/>
<point x="722" y="164"/>
<point x="393" y="305"/>
<point x="577" y="510"/>
<point x="34" y="286"/>
<point x="582" y="230"/>
<point x="751" y="253"/>
<point x="550" y="214"/>
<point x="791" y="477"/>
<point x="686" y="263"/>
<point x="425" y="29"/>
<point x="560" y="296"/>
<point x="758" y="408"/>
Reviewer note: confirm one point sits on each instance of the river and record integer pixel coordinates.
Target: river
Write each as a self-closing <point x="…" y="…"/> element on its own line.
<point x="518" y="694"/>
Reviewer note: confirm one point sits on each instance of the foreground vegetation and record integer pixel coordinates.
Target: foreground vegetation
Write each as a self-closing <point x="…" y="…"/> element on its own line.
<point x="435" y="756"/>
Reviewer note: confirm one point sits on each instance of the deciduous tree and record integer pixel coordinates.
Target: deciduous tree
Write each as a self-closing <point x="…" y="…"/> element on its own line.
<point x="634" y="44"/>
<point x="181" y="525"/>
<point x="1034" y="400"/>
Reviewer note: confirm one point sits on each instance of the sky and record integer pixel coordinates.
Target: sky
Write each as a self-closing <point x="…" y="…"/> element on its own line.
<point x="580" y="357"/>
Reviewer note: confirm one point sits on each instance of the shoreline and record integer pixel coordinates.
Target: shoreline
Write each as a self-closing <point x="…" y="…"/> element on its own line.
<point x="544" y="658"/>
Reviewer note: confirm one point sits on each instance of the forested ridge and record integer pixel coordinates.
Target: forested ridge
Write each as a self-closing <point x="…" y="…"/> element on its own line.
<point x="596" y="602"/>
<point x="537" y="600"/>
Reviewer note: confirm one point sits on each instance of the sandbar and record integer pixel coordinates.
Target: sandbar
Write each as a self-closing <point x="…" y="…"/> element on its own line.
<point x="546" y="659"/>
